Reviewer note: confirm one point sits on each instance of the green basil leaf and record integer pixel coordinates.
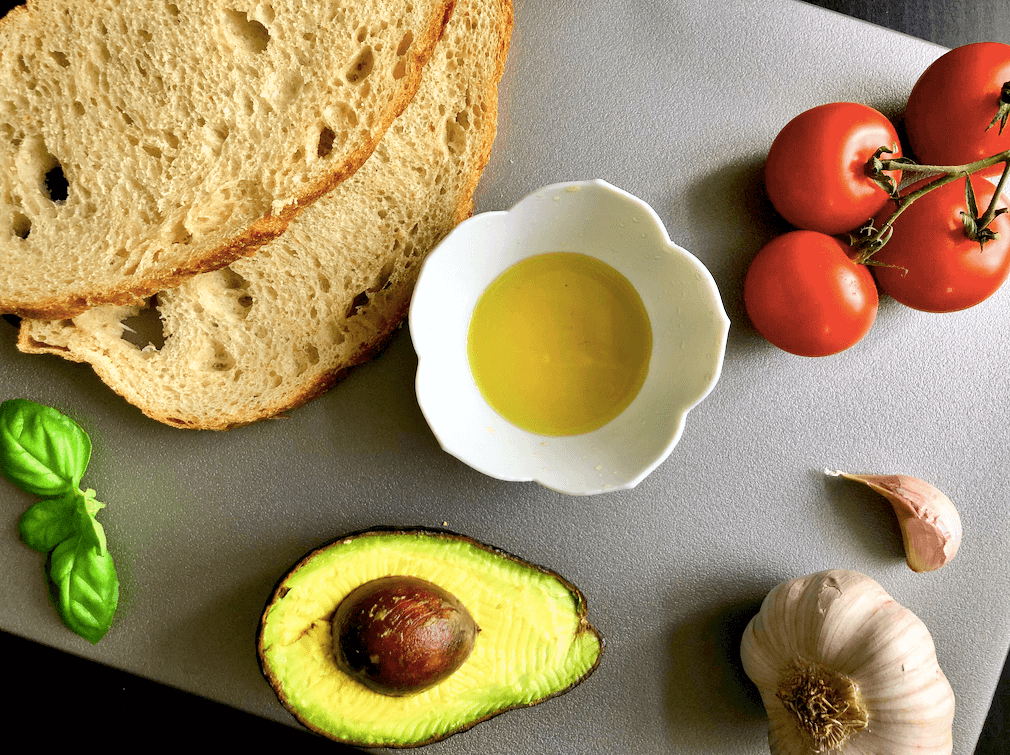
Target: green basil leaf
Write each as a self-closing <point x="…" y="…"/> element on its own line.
<point x="85" y="581"/>
<point x="41" y="450"/>
<point x="49" y="522"/>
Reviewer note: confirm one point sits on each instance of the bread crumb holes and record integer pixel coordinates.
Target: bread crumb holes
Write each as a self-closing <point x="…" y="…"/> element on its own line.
<point x="21" y="225"/>
<point x="361" y="66"/>
<point x="244" y="33"/>
<point x="145" y="330"/>
<point x="324" y="146"/>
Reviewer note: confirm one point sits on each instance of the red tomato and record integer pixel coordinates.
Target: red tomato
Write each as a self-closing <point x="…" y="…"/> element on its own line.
<point x="953" y="102"/>
<point x="804" y="294"/>
<point x="937" y="268"/>
<point x="816" y="169"/>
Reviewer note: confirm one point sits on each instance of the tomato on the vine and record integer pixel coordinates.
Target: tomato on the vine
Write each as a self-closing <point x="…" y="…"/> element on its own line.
<point x="930" y="264"/>
<point x="816" y="172"/>
<point x="804" y="294"/>
<point x="952" y="104"/>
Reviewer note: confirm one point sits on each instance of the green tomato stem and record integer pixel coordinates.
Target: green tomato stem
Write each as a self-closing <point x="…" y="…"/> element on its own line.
<point x="872" y="242"/>
<point x="1003" y="111"/>
<point x="898" y="164"/>
<point x="990" y="211"/>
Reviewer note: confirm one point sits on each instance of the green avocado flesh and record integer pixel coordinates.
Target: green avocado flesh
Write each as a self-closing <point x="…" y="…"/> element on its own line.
<point x="534" y="640"/>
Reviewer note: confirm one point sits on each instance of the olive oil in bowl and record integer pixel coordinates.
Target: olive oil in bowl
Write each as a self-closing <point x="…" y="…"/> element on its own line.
<point x="559" y="343"/>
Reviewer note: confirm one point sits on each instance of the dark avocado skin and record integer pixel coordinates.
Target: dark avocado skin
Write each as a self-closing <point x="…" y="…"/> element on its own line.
<point x="279" y="591"/>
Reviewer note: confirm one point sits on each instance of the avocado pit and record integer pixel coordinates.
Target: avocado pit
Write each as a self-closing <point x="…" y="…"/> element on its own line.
<point x="400" y="635"/>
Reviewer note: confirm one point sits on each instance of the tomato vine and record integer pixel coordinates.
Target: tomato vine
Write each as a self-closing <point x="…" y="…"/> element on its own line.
<point x="870" y="239"/>
<point x="839" y="170"/>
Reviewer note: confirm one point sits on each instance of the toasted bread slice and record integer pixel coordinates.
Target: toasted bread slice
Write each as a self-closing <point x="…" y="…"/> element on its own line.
<point x="270" y="332"/>
<point x="142" y="141"/>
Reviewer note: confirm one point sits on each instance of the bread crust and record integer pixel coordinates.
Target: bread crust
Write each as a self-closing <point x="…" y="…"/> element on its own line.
<point x="382" y="315"/>
<point x="131" y="289"/>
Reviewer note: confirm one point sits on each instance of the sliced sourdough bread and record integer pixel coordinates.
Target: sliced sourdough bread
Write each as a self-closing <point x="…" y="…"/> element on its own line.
<point x="270" y="332"/>
<point x="142" y="141"/>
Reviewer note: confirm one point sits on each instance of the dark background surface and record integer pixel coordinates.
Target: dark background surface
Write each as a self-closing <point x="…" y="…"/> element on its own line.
<point x="146" y="712"/>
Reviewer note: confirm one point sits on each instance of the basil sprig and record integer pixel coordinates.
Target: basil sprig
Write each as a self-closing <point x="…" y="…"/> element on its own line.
<point x="46" y="453"/>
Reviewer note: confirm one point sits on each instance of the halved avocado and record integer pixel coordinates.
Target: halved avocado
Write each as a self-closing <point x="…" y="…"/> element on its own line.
<point x="534" y="640"/>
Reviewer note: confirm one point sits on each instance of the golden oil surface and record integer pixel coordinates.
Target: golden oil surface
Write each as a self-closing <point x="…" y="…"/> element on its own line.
<point x="559" y="343"/>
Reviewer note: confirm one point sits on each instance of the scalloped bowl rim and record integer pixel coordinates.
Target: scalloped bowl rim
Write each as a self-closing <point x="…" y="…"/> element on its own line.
<point x="689" y="323"/>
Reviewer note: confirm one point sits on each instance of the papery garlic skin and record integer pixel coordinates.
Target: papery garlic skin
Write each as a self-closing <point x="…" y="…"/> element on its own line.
<point x="930" y="525"/>
<point x="846" y="623"/>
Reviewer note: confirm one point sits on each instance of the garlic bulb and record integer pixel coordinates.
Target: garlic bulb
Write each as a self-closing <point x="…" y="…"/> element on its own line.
<point x="843" y="668"/>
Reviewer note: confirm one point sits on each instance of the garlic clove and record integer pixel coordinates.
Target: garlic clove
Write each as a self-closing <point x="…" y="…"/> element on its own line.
<point x="930" y="524"/>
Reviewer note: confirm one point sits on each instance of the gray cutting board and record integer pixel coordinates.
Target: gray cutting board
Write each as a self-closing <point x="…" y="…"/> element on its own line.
<point x="675" y="102"/>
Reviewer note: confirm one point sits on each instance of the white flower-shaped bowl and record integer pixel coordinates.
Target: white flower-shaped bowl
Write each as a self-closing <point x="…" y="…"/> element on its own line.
<point x="689" y="330"/>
